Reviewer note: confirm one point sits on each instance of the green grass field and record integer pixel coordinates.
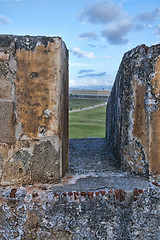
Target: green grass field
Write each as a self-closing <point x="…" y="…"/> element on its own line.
<point x="75" y="103"/>
<point x="89" y="123"/>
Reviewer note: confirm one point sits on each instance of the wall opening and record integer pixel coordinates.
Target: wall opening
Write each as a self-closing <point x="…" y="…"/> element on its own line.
<point x="88" y="150"/>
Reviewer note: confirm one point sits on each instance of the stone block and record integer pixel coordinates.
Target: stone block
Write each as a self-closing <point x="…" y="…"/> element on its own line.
<point x="133" y="113"/>
<point x="35" y="123"/>
<point x="17" y="169"/>
<point x="45" y="165"/>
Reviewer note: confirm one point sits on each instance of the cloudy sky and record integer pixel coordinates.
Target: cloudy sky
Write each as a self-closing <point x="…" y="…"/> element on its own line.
<point x="97" y="33"/>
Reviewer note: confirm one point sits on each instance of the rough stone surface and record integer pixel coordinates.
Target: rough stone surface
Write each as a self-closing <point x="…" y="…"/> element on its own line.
<point x="91" y="168"/>
<point x="96" y="199"/>
<point x="17" y="169"/>
<point x="43" y="168"/>
<point x="7" y="122"/>
<point x="5" y="79"/>
<point x="34" y="109"/>
<point x="89" y="203"/>
<point x="90" y="155"/>
<point x="133" y="113"/>
<point x="42" y="213"/>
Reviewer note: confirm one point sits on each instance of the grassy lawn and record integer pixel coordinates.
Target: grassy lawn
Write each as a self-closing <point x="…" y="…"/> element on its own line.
<point x="90" y="123"/>
<point x="83" y="103"/>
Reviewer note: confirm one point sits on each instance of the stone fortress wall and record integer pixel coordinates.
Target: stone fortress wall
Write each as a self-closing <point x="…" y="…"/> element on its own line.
<point x="133" y="112"/>
<point x="34" y="109"/>
<point x="106" y="205"/>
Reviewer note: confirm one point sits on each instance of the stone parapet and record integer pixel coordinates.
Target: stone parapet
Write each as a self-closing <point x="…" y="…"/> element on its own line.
<point x="34" y="109"/>
<point x="38" y="212"/>
<point x="133" y="112"/>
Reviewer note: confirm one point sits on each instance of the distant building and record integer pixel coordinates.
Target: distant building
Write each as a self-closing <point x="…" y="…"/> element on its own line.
<point x="90" y="93"/>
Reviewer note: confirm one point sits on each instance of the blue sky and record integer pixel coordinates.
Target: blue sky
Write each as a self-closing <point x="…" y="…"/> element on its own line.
<point x="97" y="33"/>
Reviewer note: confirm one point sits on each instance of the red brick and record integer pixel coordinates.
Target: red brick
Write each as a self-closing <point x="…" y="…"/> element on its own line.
<point x="76" y="193"/>
<point x="90" y="195"/>
<point x="103" y="193"/>
<point x="83" y="194"/>
<point x="56" y="194"/>
<point x="75" y="197"/>
<point x="70" y="194"/>
<point x="97" y="194"/>
<point x="156" y="184"/>
<point x="13" y="193"/>
<point x="116" y="193"/>
<point x="34" y="195"/>
<point x="140" y="191"/>
<point x="135" y="192"/>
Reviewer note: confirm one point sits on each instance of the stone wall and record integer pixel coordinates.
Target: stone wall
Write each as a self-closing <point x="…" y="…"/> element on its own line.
<point x="133" y="112"/>
<point x="34" y="109"/>
<point x="104" y="203"/>
<point x="106" y="214"/>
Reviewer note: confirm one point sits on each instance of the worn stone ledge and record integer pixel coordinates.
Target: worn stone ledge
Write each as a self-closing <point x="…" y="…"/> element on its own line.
<point x="39" y="212"/>
<point x="41" y="192"/>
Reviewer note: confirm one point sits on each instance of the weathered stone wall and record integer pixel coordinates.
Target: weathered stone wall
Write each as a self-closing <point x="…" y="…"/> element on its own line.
<point x="34" y="109"/>
<point x="133" y="112"/>
<point x="110" y="214"/>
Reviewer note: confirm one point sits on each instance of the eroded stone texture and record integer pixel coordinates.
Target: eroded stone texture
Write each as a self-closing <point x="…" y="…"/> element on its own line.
<point x="6" y="80"/>
<point x="34" y="109"/>
<point x="7" y="122"/>
<point x="133" y="113"/>
<point x="43" y="168"/>
<point x="41" y="213"/>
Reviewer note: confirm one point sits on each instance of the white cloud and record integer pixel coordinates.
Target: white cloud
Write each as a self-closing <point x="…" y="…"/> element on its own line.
<point x="150" y="15"/>
<point x="89" y="36"/>
<point x="92" y="75"/>
<point x="101" y="12"/>
<point x="4" y="20"/>
<point x="72" y="83"/>
<point x="149" y="26"/>
<point x="117" y="22"/>
<point x="80" y="53"/>
<point x="115" y="33"/>
<point x="85" y="71"/>
<point x="91" y="82"/>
